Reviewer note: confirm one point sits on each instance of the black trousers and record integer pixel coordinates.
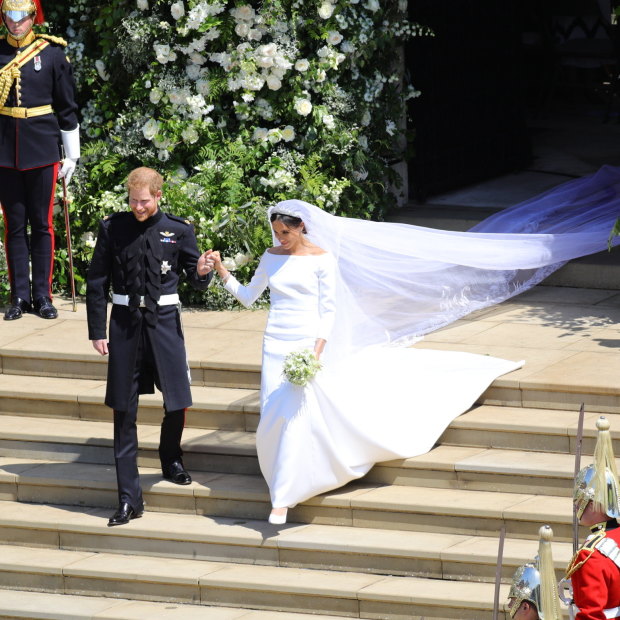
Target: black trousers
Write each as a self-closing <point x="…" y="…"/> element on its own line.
<point x="126" y="433"/>
<point x="27" y="198"/>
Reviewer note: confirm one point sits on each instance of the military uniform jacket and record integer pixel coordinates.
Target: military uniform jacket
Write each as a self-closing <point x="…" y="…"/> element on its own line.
<point x="596" y="583"/>
<point x="170" y="242"/>
<point x="27" y="143"/>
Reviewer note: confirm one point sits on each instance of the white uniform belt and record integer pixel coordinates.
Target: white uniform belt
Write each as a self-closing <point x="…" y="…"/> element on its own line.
<point x="609" y="613"/>
<point x="164" y="300"/>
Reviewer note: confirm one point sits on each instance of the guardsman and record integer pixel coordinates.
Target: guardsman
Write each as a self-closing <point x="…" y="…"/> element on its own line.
<point x="594" y="571"/>
<point x="141" y="255"/>
<point x="534" y="593"/>
<point x="38" y="114"/>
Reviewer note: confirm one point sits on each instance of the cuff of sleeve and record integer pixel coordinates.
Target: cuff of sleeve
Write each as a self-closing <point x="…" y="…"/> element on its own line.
<point x="71" y="143"/>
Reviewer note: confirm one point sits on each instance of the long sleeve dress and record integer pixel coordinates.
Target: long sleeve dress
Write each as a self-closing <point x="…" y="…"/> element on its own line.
<point x="380" y="403"/>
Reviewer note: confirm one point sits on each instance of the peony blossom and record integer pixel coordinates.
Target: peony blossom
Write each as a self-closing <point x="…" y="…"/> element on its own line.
<point x="150" y="129"/>
<point x="303" y="106"/>
<point x="273" y="83"/>
<point x="334" y="37"/>
<point x="288" y="133"/>
<point x="326" y="10"/>
<point x="302" y="65"/>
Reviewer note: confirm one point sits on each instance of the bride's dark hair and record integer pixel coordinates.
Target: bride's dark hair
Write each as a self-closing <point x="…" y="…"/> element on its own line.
<point x="288" y="220"/>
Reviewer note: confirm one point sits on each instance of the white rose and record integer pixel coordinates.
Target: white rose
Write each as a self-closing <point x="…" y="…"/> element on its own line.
<point x="197" y="59"/>
<point x="260" y="134"/>
<point x="177" y="10"/>
<point x="288" y="133"/>
<point x="334" y="37"/>
<point x="242" y="29"/>
<point x="271" y="49"/>
<point x="244" y="13"/>
<point x="193" y="71"/>
<point x="302" y="65"/>
<point x="347" y="47"/>
<point x="203" y="87"/>
<point x="326" y="10"/>
<point x="162" y="52"/>
<point x="273" y="83"/>
<point x="155" y="95"/>
<point x="150" y="129"/>
<point x="303" y="106"/>
<point x="264" y="61"/>
<point x="328" y="121"/>
<point x="189" y="135"/>
<point x="242" y="259"/>
<point x="255" y="34"/>
<point x="229" y="263"/>
<point x="88" y="239"/>
<point x="143" y="5"/>
<point x="103" y="74"/>
<point x="373" y="5"/>
<point x="163" y="155"/>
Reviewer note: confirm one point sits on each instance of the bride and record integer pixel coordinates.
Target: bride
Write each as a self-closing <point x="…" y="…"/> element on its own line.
<point x="357" y="293"/>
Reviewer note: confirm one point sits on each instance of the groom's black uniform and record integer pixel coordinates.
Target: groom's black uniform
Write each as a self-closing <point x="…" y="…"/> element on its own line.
<point x="142" y="261"/>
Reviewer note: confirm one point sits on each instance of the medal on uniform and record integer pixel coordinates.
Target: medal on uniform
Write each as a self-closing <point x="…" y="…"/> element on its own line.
<point x="37" y="63"/>
<point x="165" y="268"/>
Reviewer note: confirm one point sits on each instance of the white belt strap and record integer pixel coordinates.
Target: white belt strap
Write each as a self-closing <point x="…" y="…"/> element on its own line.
<point x="609" y="548"/>
<point x="164" y="300"/>
<point x="610" y="614"/>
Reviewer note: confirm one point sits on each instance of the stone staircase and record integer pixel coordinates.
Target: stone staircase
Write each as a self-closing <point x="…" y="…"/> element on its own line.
<point x="416" y="538"/>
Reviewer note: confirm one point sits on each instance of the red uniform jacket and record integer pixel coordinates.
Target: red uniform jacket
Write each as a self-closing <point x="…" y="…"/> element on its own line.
<point x="596" y="584"/>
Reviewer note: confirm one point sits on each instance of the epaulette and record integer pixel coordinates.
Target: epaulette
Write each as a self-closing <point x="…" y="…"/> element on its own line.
<point x="589" y="546"/>
<point x="177" y="218"/>
<point x="52" y="39"/>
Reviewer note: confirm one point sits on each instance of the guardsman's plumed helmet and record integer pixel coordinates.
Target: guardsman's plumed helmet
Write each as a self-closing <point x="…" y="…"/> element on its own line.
<point x="18" y="9"/>
<point x="598" y="483"/>
<point x="535" y="582"/>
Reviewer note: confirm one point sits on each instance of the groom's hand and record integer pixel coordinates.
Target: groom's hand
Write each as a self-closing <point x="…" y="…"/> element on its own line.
<point x="205" y="264"/>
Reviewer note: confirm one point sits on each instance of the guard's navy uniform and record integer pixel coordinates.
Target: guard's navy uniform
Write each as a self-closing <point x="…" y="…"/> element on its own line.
<point x="142" y="262"/>
<point x="29" y="156"/>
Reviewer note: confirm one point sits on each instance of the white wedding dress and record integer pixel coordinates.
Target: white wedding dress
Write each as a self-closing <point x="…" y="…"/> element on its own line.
<point x="374" y="405"/>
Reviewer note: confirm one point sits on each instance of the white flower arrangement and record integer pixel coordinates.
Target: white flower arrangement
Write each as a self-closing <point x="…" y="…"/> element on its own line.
<point x="300" y="367"/>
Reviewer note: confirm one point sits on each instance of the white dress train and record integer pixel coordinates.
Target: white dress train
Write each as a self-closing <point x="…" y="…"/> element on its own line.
<point x="377" y="404"/>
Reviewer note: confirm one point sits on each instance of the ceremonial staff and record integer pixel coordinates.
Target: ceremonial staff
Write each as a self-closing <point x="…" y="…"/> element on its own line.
<point x="579" y="441"/>
<point x="65" y="205"/>
<point x="498" y="572"/>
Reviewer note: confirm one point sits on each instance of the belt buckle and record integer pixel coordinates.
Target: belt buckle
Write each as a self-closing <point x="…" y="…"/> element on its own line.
<point x="19" y="112"/>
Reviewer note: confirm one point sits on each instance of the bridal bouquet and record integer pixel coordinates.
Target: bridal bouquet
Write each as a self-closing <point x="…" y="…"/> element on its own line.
<point x="300" y="366"/>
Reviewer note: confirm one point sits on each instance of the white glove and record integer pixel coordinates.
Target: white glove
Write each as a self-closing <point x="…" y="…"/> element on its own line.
<point x="71" y="145"/>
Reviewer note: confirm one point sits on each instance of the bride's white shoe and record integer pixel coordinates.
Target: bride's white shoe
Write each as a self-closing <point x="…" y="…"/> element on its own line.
<point x="278" y="518"/>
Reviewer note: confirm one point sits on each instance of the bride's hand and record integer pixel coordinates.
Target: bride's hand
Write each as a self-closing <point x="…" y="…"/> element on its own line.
<point x="215" y="257"/>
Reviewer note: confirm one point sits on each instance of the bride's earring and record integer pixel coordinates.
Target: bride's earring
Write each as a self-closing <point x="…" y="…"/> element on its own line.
<point x="278" y="516"/>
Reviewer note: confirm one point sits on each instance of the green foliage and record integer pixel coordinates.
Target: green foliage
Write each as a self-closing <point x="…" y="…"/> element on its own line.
<point x="239" y="105"/>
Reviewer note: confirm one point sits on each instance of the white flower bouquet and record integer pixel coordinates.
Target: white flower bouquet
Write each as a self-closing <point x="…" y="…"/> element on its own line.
<point x="300" y="367"/>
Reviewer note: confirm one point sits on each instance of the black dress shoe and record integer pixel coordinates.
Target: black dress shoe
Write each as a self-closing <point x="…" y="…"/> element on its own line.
<point x="124" y="514"/>
<point x="175" y="472"/>
<point x="44" y="308"/>
<point x="16" y="309"/>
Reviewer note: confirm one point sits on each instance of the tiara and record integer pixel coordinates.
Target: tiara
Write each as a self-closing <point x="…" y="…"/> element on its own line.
<point x="284" y="209"/>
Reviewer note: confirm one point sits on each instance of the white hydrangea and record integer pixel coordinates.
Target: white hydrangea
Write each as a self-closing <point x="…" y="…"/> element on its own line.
<point x="177" y="10"/>
<point x="303" y="106"/>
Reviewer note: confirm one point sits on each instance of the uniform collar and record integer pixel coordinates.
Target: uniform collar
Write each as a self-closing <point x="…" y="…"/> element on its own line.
<point x="23" y="42"/>
<point x="154" y="219"/>
<point x="610" y="524"/>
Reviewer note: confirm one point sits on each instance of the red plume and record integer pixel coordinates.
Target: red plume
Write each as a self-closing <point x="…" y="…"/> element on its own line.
<point x="40" y="18"/>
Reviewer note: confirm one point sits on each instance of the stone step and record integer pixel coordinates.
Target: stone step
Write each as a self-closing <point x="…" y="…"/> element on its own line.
<point x="81" y="441"/>
<point x="52" y="606"/>
<point x="360" y="504"/>
<point x="446" y="466"/>
<point x="214" y="407"/>
<point x="348" y="594"/>
<point x="326" y="547"/>
<point x="61" y="348"/>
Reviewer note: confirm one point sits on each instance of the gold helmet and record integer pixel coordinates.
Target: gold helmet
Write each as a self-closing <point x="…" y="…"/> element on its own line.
<point x="19" y="9"/>
<point x="535" y="582"/>
<point x="598" y="483"/>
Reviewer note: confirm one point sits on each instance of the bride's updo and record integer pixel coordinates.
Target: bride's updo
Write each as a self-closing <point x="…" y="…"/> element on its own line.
<point x="290" y="221"/>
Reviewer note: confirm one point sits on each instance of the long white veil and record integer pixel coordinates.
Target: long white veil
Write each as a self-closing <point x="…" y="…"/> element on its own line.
<point x="397" y="282"/>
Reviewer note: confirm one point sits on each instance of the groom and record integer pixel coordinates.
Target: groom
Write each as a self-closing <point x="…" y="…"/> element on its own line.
<point x="141" y="253"/>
